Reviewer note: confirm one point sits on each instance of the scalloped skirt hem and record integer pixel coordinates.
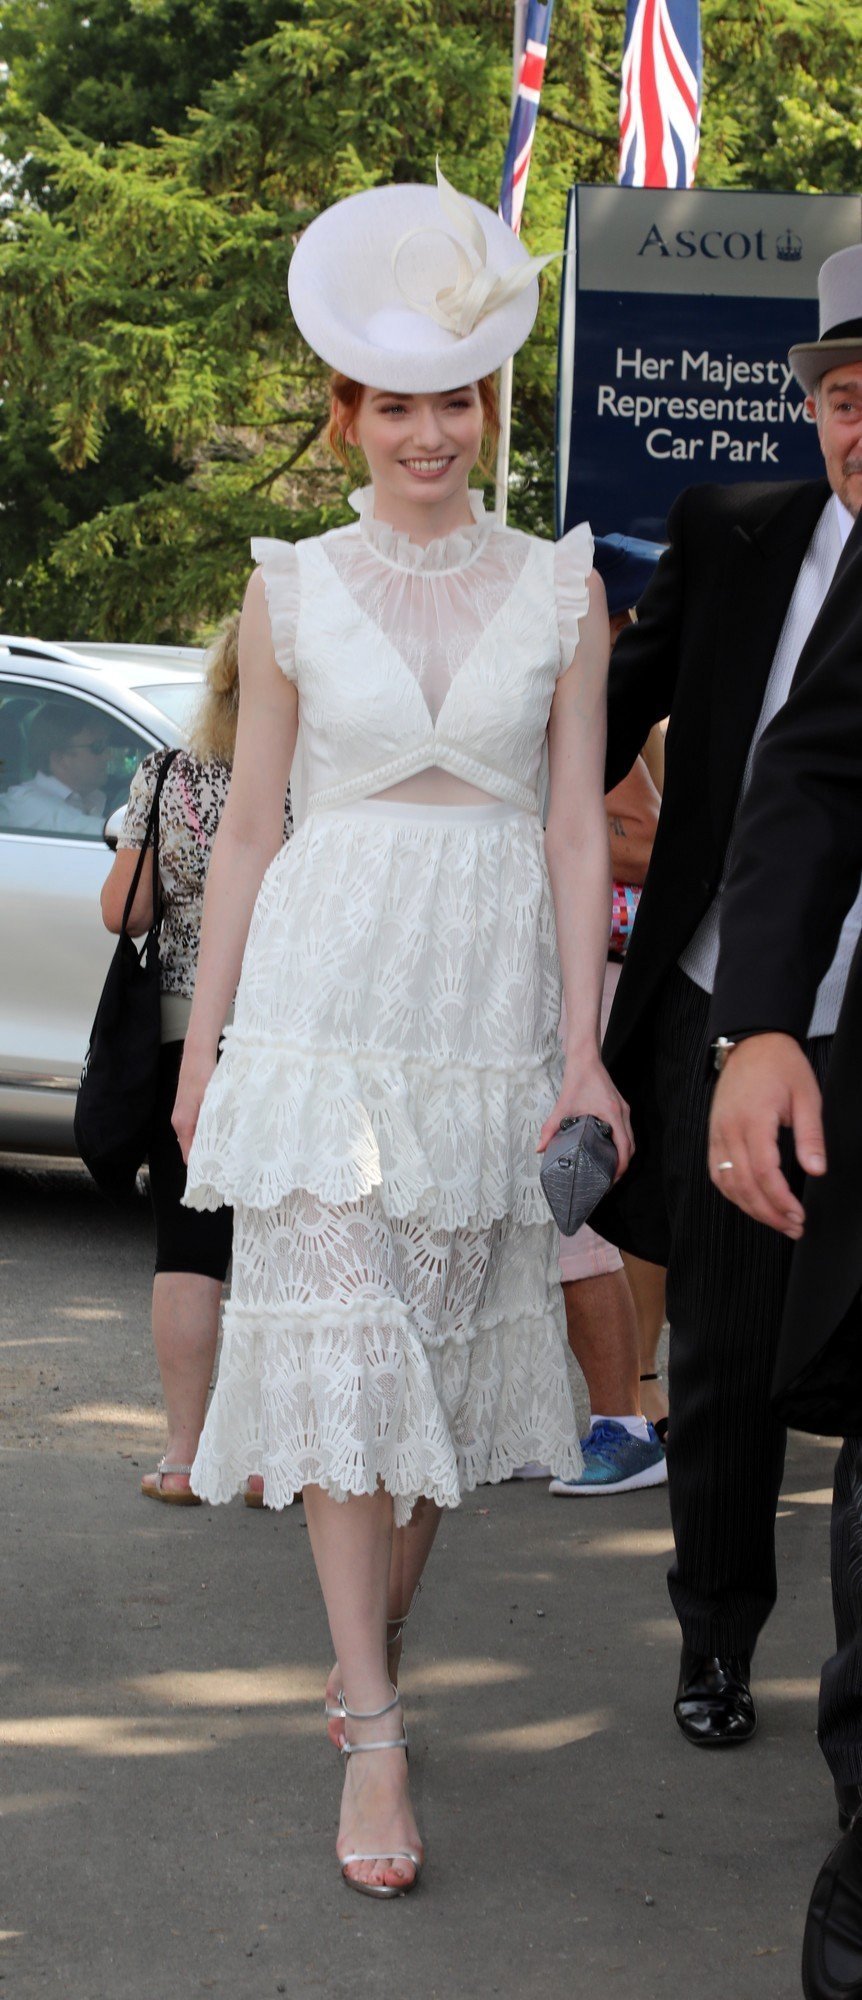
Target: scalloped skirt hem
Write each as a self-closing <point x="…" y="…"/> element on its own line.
<point x="348" y="1405"/>
<point x="217" y="1486"/>
<point x="454" y="1145"/>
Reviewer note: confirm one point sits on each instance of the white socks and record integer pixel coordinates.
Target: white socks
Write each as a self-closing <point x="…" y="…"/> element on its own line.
<point x="636" y="1426"/>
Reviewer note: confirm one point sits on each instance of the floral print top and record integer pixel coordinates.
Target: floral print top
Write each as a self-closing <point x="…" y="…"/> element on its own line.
<point x="191" y="805"/>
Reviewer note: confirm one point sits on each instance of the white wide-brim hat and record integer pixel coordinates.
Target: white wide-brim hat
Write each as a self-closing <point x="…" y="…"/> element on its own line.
<point x="839" y="286"/>
<point x="415" y="289"/>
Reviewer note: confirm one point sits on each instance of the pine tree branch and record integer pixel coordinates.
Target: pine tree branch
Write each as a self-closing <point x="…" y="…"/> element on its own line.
<point x="606" y="68"/>
<point x="586" y="131"/>
<point x="287" y="465"/>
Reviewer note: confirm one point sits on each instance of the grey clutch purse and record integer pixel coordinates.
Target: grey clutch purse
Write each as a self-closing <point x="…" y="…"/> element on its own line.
<point x="578" y="1167"/>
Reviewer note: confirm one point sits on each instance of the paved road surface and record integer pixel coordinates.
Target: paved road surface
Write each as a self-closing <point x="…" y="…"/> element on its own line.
<point x="169" y="1798"/>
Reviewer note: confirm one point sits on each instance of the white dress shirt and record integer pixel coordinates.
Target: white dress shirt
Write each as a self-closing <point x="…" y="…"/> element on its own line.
<point x="700" y="958"/>
<point x="43" y="804"/>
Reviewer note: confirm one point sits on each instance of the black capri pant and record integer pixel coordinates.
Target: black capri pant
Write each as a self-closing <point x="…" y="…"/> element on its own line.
<point x="187" y="1239"/>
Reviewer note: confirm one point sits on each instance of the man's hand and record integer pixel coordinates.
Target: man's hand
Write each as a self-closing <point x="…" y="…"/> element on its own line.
<point x="766" y="1083"/>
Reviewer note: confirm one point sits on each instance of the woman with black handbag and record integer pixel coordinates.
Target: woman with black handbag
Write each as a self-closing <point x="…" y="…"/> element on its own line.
<point x="192" y="1249"/>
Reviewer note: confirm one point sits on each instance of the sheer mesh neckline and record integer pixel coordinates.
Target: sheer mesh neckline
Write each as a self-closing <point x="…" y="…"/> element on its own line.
<point x="449" y="552"/>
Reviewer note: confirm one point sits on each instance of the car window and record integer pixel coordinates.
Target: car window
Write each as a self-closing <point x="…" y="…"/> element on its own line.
<point x="175" y="699"/>
<point x="65" y="764"/>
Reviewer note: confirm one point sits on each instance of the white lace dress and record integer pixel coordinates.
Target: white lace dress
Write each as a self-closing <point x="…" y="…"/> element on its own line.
<point x="396" y="1311"/>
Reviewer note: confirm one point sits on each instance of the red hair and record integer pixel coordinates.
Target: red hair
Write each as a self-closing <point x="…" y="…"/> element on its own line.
<point x="346" y="395"/>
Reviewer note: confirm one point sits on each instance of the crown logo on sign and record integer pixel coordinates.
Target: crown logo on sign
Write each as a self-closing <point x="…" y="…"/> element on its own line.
<point x="788" y="248"/>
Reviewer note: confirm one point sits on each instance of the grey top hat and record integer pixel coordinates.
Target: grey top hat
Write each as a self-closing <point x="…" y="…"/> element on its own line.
<point x="840" y="287"/>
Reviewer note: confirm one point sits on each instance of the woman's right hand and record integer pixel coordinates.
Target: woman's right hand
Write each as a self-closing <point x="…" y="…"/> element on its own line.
<point x="195" y="1072"/>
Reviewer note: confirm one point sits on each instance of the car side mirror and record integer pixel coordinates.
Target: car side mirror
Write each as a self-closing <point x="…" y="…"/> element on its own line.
<point x="113" y="827"/>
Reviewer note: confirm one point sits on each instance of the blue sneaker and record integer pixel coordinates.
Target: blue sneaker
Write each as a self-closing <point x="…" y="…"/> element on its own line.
<point x="616" y="1462"/>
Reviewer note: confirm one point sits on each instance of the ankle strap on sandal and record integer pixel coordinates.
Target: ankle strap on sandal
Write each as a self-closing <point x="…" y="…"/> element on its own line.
<point x="368" y="1714"/>
<point x="395" y="1626"/>
<point x="372" y="1715"/>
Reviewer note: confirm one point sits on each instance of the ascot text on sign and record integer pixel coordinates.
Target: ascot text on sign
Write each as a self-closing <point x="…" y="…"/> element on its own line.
<point x="678" y="309"/>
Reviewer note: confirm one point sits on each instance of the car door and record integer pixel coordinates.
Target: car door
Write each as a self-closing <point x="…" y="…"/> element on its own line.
<point x="66" y="761"/>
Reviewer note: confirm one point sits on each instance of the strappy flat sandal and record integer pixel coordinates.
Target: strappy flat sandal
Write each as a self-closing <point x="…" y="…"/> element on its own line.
<point x="170" y="1495"/>
<point x="661" y="1423"/>
<point x="382" y="1891"/>
<point x="335" y="1711"/>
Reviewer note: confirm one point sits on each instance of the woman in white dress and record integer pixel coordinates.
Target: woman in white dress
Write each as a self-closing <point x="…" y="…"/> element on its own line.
<point x="395" y="1334"/>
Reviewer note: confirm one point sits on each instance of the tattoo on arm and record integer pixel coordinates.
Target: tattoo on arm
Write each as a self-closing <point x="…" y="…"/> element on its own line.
<point x="618" y="827"/>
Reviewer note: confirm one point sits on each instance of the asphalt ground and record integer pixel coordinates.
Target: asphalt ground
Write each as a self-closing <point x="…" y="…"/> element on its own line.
<point x="169" y="1798"/>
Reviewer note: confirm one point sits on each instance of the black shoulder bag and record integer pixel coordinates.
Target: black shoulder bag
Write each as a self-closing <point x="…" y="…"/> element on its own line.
<point x="117" y="1091"/>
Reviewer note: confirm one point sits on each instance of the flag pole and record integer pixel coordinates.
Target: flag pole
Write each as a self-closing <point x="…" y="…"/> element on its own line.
<point x="501" y="484"/>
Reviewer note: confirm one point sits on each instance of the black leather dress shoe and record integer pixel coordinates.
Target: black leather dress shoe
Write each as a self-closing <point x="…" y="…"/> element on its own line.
<point x="713" y="1703"/>
<point x="832" y="1944"/>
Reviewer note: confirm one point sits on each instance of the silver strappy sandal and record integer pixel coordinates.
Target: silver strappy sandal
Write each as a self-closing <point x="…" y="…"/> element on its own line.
<point x="382" y="1891"/>
<point x="335" y="1711"/>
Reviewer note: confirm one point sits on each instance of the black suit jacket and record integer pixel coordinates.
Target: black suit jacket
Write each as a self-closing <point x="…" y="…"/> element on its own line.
<point x="701" y="652"/>
<point x="797" y="870"/>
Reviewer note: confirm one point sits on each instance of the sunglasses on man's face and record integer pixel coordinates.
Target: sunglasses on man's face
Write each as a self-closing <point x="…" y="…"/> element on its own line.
<point x="97" y="745"/>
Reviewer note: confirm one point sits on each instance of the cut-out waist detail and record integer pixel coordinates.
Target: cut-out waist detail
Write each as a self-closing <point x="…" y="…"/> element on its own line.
<point x="435" y="787"/>
<point x="415" y="814"/>
<point x="454" y="765"/>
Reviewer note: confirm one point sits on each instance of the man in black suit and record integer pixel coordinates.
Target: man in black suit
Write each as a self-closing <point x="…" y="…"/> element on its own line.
<point x="802" y="826"/>
<point x="720" y="633"/>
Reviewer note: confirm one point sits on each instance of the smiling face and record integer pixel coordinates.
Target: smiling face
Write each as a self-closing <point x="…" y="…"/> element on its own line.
<point x="837" y="408"/>
<point x="419" y="449"/>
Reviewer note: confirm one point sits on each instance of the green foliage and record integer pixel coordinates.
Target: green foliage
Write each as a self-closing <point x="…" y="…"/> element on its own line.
<point x="782" y="95"/>
<point x="158" y="406"/>
<point x="117" y="69"/>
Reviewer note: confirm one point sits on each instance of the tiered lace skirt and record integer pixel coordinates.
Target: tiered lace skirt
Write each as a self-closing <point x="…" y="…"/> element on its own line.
<point x="395" y="1310"/>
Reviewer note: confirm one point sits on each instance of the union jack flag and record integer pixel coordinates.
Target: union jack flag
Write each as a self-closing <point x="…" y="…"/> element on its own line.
<point x="516" y="165"/>
<point x="660" y="99"/>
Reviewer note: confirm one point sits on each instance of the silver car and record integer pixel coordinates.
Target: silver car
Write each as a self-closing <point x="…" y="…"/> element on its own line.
<point x="88" y="715"/>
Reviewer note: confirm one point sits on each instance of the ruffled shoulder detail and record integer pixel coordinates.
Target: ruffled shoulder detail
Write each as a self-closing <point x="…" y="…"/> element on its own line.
<point x="279" y="564"/>
<point x="573" y="562"/>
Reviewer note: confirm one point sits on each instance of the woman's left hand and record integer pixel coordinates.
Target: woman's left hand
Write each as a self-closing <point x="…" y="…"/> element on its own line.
<point x="588" y="1090"/>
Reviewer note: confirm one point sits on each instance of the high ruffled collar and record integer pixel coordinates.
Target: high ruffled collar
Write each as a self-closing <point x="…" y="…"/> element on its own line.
<point x="452" y="551"/>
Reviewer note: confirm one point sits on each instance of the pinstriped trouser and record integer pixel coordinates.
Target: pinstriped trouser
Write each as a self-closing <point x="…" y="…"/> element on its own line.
<point x="727" y="1278"/>
<point x="839" y="1724"/>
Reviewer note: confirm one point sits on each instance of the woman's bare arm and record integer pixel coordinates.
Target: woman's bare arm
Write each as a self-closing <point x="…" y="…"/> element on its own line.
<point x="116" y="888"/>
<point x="250" y="834"/>
<point x="576" y="843"/>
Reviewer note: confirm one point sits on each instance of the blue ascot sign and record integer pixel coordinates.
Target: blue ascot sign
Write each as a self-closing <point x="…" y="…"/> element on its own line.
<point x="678" y="308"/>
